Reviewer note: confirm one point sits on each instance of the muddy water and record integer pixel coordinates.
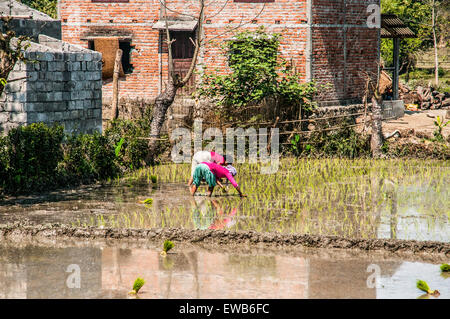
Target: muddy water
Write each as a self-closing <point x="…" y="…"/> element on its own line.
<point x="36" y="270"/>
<point x="357" y="199"/>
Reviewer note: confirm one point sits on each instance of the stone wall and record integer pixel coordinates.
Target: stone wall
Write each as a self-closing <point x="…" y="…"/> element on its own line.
<point x="60" y="83"/>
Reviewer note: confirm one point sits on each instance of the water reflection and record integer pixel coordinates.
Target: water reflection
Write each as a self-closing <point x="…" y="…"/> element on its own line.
<point x="109" y="272"/>
<point x="210" y="214"/>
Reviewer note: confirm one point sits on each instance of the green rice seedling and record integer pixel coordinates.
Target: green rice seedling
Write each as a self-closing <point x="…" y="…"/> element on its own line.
<point x="147" y="201"/>
<point x="445" y="268"/>
<point x="168" y="245"/>
<point x="422" y="285"/>
<point x="138" y="283"/>
<point x="154" y="179"/>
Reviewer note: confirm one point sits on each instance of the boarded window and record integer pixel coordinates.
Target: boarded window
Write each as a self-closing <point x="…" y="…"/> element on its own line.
<point x="108" y="47"/>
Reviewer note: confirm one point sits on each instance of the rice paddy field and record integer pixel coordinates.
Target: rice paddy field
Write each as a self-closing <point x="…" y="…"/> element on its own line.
<point x="362" y="198"/>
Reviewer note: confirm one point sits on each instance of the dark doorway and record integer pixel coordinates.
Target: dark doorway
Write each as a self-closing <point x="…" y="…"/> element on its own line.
<point x="182" y="54"/>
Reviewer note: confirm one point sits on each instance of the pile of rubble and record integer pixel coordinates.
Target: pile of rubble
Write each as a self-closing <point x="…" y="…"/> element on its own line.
<point x="420" y="98"/>
<point x="425" y="98"/>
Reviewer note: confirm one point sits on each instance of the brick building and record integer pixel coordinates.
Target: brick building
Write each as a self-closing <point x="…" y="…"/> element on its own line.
<point x="326" y="40"/>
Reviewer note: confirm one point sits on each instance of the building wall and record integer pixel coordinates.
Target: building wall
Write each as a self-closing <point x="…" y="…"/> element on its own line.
<point x="33" y="28"/>
<point x="325" y="40"/>
<point x="61" y="83"/>
<point x="343" y="46"/>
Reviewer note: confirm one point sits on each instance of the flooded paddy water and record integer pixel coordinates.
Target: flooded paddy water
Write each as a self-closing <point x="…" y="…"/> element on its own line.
<point x="361" y="199"/>
<point x="36" y="269"/>
<point x="399" y="199"/>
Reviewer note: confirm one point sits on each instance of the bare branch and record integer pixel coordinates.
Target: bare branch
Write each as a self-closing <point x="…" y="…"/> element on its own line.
<point x="169" y="45"/>
<point x="197" y="44"/>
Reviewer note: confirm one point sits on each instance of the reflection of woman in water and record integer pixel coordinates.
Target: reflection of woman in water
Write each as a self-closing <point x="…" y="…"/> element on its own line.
<point x="209" y="215"/>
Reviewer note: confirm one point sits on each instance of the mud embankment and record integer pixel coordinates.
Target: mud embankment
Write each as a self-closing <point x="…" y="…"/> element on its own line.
<point x="19" y="231"/>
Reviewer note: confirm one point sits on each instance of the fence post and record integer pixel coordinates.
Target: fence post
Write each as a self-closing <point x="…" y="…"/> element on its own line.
<point x="115" y="100"/>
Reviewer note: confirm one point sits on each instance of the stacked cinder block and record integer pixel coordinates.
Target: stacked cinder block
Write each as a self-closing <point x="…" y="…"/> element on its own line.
<point x="60" y="82"/>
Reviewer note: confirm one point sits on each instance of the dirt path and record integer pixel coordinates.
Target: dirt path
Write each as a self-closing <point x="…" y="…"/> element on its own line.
<point x="419" y="121"/>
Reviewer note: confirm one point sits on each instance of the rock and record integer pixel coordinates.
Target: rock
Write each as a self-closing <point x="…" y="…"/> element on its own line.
<point x="425" y="105"/>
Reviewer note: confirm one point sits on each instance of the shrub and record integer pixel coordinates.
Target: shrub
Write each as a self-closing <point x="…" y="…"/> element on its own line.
<point x="33" y="153"/>
<point x="133" y="150"/>
<point x="342" y="142"/>
<point x="3" y="160"/>
<point x="258" y="73"/>
<point x="88" y="157"/>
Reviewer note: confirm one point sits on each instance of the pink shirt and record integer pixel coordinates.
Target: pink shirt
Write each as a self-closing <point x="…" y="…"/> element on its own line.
<point x="216" y="158"/>
<point x="221" y="172"/>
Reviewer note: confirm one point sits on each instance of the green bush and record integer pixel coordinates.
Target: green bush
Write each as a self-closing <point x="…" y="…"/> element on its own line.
<point x="133" y="150"/>
<point x="88" y="157"/>
<point x="31" y="155"/>
<point x="3" y="160"/>
<point x="258" y="73"/>
<point x="37" y="157"/>
<point x="344" y="142"/>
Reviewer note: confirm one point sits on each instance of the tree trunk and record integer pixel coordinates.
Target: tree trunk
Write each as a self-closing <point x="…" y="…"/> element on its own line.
<point x="376" y="140"/>
<point x="162" y="103"/>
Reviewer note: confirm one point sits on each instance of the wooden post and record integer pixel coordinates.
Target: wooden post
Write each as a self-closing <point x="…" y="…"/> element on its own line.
<point x="395" y="80"/>
<point x="115" y="98"/>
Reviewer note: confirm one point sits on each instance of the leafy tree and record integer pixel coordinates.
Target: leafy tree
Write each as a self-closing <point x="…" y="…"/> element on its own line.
<point x="417" y="14"/>
<point x="257" y="73"/>
<point x="48" y="7"/>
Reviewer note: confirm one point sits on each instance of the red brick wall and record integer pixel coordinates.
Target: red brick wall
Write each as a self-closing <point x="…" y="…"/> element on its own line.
<point x="136" y="17"/>
<point x="287" y="17"/>
<point x="342" y="47"/>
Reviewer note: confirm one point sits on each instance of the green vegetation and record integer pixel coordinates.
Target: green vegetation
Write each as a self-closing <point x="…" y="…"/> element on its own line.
<point x="440" y="124"/>
<point x="422" y="285"/>
<point x="258" y="73"/>
<point x="445" y="268"/>
<point x="344" y="142"/>
<point x="130" y="148"/>
<point x="138" y="283"/>
<point x="38" y="157"/>
<point x="168" y="245"/>
<point x="48" y="7"/>
<point x="417" y="14"/>
<point x="327" y="196"/>
<point x="30" y="157"/>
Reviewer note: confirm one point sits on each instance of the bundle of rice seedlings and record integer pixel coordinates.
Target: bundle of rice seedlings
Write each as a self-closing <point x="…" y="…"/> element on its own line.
<point x="147" y="201"/>
<point x="422" y="285"/>
<point x="138" y="283"/>
<point x="168" y="245"/>
<point x="445" y="268"/>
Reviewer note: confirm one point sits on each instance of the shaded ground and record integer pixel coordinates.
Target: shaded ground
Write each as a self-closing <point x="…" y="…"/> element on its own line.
<point x="419" y="121"/>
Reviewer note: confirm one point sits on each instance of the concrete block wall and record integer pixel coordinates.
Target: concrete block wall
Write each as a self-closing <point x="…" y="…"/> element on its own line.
<point x="60" y="83"/>
<point x="33" y="28"/>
